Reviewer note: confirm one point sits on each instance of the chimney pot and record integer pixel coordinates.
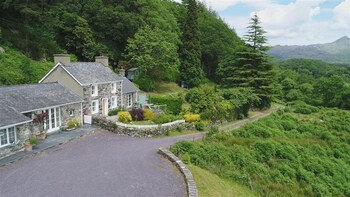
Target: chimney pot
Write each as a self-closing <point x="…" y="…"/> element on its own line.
<point x="63" y="58"/>
<point x="102" y="59"/>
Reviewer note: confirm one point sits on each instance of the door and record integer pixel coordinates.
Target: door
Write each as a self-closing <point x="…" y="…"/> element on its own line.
<point x="105" y="107"/>
<point x="52" y="122"/>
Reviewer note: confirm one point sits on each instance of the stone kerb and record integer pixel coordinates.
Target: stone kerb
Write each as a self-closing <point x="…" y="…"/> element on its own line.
<point x="190" y="183"/>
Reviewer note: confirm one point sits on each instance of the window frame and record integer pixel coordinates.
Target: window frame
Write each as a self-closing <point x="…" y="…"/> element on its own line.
<point x="129" y="100"/>
<point x="96" y="107"/>
<point x="94" y="90"/>
<point x="7" y="132"/>
<point x="114" y="102"/>
<point x="114" y="87"/>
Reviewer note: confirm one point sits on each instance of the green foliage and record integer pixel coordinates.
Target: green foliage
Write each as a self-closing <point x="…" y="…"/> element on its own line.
<point x="124" y="116"/>
<point x="145" y="83"/>
<point x="200" y="126"/>
<point x="16" y="68"/>
<point x="114" y="112"/>
<point x="314" y="82"/>
<point x="154" y="52"/>
<point x="73" y="123"/>
<point x="33" y="141"/>
<point x="165" y="118"/>
<point x="213" y="131"/>
<point x="285" y="154"/>
<point x="304" y="108"/>
<point x="173" y="103"/>
<point x="249" y="69"/>
<point x="190" y="51"/>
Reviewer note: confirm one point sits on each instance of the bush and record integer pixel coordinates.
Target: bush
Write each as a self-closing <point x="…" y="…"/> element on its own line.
<point x="192" y="117"/>
<point x="145" y="83"/>
<point x="136" y="114"/>
<point x="304" y="108"/>
<point x="33" y="141"/>
<point x="200" y="126"/>
<point x="179" y="128"/>
<point x="173" y="103"/>
<point x="165" y="118"/>
<point x="186" y="158"/>
<point x="148" y="114"/>
<point x="114" y="112"/>
<point x="73" y="123"/>
<point x="124" y="116"/>
<point x="213" y="131"/>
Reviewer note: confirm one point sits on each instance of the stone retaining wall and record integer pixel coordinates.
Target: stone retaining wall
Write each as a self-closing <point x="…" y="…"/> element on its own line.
<point x="135" y="130"/>
<point x="190" y="183"/>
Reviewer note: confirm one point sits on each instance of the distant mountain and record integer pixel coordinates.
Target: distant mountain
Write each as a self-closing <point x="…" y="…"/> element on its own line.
<point x="335" y="52"/>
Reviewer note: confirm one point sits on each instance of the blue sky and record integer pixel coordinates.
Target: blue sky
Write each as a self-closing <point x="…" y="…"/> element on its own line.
<point x="289" y="22"/>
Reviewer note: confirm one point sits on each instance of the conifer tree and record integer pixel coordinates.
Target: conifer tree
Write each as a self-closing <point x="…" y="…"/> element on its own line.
<point x="190" y="51"/>
<point x="249" y="66"/>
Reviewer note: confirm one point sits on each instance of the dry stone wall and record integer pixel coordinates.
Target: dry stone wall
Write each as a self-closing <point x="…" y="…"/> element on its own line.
<point x="134" y="130"/>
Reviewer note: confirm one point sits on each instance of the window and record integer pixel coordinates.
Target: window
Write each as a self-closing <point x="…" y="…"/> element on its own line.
<point x="71" y="112"/>
<point x="94" y="90"/>
<point x="114" y="87"/>
<point x="114" y="102"/>
<point x="129" y="100"/>
<point x="7" y="136"/>
<point x="94" y="107"/>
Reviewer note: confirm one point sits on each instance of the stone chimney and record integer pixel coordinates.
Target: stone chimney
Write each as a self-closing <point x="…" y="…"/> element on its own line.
<point x="122" y="72"/>
<point x="102" y="59"/>
<point x="63" y="58"/>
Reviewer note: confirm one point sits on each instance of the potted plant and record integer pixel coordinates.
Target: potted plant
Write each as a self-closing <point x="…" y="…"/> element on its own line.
<point x="32" y="141"/>
<point x="40" y="119"/>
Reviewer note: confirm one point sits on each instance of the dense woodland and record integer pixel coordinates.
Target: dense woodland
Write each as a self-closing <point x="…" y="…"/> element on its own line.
<point x="303" y="150"/>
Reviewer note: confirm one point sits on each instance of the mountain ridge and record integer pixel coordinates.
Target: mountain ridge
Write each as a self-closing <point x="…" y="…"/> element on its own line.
<point x="334" y="52"/>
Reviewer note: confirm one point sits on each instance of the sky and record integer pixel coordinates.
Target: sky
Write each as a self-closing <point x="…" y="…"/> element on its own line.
<point x="288" y="22"/>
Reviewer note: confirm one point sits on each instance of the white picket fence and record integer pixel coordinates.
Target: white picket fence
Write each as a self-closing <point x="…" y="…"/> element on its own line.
<point x="150" y="126"/>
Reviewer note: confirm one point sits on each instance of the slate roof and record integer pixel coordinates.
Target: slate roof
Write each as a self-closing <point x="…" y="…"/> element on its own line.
<point x="18" y="99"/>
<point x="92" y="72"/>
<point x="128" y="86"/>
<point x="9" y="116"/>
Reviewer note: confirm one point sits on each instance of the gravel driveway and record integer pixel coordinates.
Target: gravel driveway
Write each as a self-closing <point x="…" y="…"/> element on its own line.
<point x="101" y="164"/>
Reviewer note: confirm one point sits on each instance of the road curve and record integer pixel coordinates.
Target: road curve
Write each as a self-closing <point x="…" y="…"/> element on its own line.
<point x="100" y="164"/>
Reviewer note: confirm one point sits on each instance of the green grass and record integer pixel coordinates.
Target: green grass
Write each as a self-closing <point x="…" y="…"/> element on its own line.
<point x="176" y="133"/>
<point x="163" y="88"/>
<point x="209" y="185"/>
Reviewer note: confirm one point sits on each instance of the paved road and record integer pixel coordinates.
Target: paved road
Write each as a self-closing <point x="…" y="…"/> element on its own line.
<point x="101" y="164"/>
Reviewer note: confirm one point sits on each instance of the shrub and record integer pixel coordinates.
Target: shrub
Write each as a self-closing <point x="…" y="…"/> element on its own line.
<point x="136" y="114"/>
<point x="145" y="83"/>
<point x="200" y="126"/>
<point x="33" y="141"/>
<point x="179" y="128"/>
<point x="148" y="114"/>
<point x="73" y="123"/>
<point x="186" y="158"/>
<point x="173" y="103"/>
<point x="192" y="117"/>
<point x="288" y="125"/>
<point x="124" y="116"/>
<point x="213" y="131"/>
<point x="164" y="118"/>
<point x="114" y="112"/>
<point x="304" y="108"/>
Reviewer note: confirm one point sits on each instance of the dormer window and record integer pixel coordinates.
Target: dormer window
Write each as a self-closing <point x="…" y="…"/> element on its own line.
<point x="114" y="87"/>
<point x="94" y="90"/>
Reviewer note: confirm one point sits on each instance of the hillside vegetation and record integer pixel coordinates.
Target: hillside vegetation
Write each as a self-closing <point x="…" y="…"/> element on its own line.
<point x="299" y="151"/>
<point x="16" y="68"/>
<point x="335" y="52"/>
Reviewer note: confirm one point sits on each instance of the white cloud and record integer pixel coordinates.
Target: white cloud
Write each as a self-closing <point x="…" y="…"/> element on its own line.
<point x="342" y="15"/>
